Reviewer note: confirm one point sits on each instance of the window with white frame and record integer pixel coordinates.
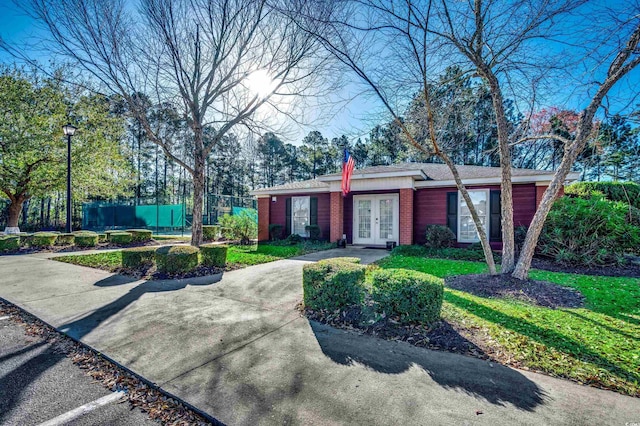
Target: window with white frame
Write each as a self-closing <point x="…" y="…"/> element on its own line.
<point x="300" y="215"/>
<point x="467" y="232"/>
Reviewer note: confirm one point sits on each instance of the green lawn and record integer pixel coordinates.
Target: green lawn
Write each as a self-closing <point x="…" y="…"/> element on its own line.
<point x="598" y="344"/>
<point x="237" y="256"/>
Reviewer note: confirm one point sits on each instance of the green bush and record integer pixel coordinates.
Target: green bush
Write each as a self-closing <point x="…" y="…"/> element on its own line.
<point x="177" y="259"/>
<point x="86" y="239"/>
<point x="65" y="239"/>
<point x="414" y="297"/>
<point x="213" y="255"/>
<point x="590" y="232"/>
<point x="294" y="239"/>
<point x="43" y="239"/>
<point x="140" y="235"/>
<point x="314" y="232"/>
<point x="416" y="251"/>
<point x="333" y="284"/>
<point x="25" y="239"/>
<point x="102" y="238"/>
<point x="438" y="236"/>
<point x="275" y="231"/>
<point x="120" y="238"/>
<point x="9" y="242"/>
<point x="210" y="232"/>
<point x="625" y="192"/>
<point x="519" y="235"/>
<point x="136" y="257"/>
<point x="242" y="226"/>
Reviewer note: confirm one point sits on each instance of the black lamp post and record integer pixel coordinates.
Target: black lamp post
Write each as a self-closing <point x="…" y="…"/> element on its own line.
<point x="69" y="130"/>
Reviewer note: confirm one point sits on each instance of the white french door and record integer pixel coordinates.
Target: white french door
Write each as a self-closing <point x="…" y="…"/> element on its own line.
<point x="375" y="219"/>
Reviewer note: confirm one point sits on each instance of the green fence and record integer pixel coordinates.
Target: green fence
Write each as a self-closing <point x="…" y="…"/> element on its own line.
<point x="104" y="215"/>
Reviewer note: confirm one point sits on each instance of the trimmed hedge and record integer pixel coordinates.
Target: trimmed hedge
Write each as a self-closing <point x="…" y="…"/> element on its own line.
<point x="177" y="259"/>
<point x="43" y="239"/>
<point x="102" y="238"/>
<point x="333" y="284"/>
<point x="25" y="239"/>
<point x="140" y="235"/>
<point x="210" y="232"/>
<point x="65" y="239"/>
<point x="9" y="242"/>
<point x="341" y="259"/>
<point x="136" y="257"/>
<point x="213" y="255"/>
<point x="439" y="236"/>
<point x="120" y="237"/>
<point x="413" y="296"/>
<point x="86" y="239"/>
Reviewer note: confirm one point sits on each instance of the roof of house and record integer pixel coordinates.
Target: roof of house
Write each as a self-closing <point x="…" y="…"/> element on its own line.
<point x="424" y="172"/>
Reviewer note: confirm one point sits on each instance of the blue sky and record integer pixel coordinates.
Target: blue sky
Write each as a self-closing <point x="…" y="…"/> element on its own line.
<point x="354" y="118"/>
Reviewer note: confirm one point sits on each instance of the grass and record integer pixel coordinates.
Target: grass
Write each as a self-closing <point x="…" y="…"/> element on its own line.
<point x="109" y="261"/>
<point x="237" y="256"/>
<point x="597" y="345"/>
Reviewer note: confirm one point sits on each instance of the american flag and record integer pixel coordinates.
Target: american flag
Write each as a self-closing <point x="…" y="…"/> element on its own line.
<point x="348" y="165"/>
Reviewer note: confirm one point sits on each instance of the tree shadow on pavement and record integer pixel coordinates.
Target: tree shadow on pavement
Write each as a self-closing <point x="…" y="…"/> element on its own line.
<point x="83" y="326"/>
<point x="492" y="382"/>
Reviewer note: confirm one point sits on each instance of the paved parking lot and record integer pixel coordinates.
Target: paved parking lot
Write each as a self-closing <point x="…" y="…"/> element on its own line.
<point x="41" y="387"/>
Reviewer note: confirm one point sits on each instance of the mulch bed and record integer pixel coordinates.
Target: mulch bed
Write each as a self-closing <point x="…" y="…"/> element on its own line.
<point x="439" y="336"/>
<point x="628" y="270"/>
<point x="138" y="393"/>
<point x="540" y="293"/>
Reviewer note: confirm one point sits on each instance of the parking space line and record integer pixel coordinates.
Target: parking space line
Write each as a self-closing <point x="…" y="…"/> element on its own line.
<point x="83" y="409"/>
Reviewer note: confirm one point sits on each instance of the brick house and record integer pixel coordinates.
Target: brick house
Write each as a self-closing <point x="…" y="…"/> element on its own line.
<point x="397" y="202"/>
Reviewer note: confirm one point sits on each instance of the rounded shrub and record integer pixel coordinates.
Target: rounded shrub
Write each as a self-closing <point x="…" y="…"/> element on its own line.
<point x="275" y="231"/>
<point x="120" y="238"/>
<point x="177" y="259"/>
<point x="439" y="236"/>
<point x="314" y="232"/>
<point x="590" y="232"/>
<point x="136" y="257"/>
<point x="102" y="238"/>
<point x="9" y="243"/>
<point x="210" y="232"/>
<point x="65" y="239"/>
<point x="43" y="239"/>
<point x="213" y="255"/>
<point x="25" y="239"/>
<point x="333" y="284"/>
<point x="413" y="296"/>
<point x="86" y="239"/>
<point x="140" y="235"/>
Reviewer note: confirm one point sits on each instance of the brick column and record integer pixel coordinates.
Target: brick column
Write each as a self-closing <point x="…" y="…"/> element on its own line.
<point x="406" y="216"/>
<point x="264" y="205"/>
<point x="337" y="217"/>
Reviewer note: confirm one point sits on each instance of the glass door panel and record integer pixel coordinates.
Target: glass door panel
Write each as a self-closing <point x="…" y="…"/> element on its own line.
<point x="364" y="219"/>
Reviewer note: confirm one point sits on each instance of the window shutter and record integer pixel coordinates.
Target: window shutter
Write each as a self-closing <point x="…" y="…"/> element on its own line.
<point x="287" y="219"/>
<point x="452" y="212"/>
<point x="495" y="218"/>
<point x="313" y="208"/>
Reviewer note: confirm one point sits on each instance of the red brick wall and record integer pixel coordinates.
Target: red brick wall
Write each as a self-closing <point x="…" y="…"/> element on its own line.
<point x="336" y="216"/>
<point x="263" y="218"/>
<point x="540" y="193"/>
<point x="430" y="207"/>
<point x="406" y="216"/>
<point x="278" y="211"/>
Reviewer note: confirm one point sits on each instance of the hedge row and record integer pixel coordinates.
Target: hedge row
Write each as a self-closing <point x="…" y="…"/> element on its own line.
<point x="79" y="238"/>
<point x="625" y="192"/>
<point x="336" y="284"/>
<point x="175" y="259"/>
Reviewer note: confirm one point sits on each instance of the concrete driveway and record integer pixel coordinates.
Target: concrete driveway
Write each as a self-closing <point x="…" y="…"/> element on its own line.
<point x="239" y="350"/>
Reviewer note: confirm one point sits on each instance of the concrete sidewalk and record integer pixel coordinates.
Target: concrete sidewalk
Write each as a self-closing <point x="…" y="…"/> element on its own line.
<point x="239" y="350"/>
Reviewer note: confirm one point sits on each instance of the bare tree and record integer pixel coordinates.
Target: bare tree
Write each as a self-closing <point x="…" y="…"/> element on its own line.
<point x="222" y="63"/>
<point x="390" y="47"/>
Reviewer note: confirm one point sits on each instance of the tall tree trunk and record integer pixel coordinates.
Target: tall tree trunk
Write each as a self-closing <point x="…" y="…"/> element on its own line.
<point x="199" y="170"/>
<point x="506" y="191"/>
<point x="15" y="208"/>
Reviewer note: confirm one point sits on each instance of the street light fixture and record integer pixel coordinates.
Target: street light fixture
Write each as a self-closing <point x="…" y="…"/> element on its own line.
<point x="69" y="130"/>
